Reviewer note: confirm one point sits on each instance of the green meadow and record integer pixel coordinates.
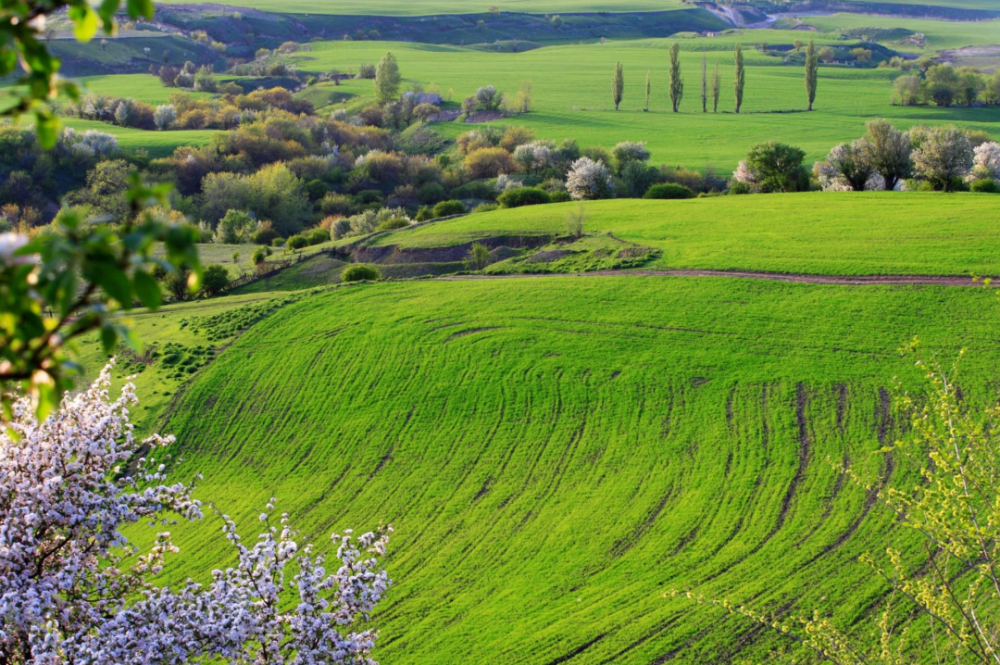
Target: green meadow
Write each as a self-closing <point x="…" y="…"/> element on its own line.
<point x="869" y="233"/>
<point x="556" y="454"/>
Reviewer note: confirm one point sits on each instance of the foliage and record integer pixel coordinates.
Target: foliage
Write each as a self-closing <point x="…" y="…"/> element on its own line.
<point x="889" y="152"/>
<point x="942" y="155"/>
<point x="479" y="256"/>
<point x="739" y="80"/>
<point x="575" y="220"/>
<point x="387" y="80"/>
<point x="617" y="85"/>
<point x="297" y="242"/>
<point x="448" y="208"/>
<point x="589" y="180"/>
<point x="489" y="163"/>
<point x="74" y="587"/>
<point x="812" y="72"/>
<point x="776" y="167"/>
<point x="216" y="279"/>
<point x="628" y="151"/>
<point x="852" y="162"/>
<point x="676" y="82"/>
<point x="523" y="196"/>
<point x="668" y="191"/>
<point x="360" y="273"/>
<point x="638" y="177"/>
<point x="71" y="282"/>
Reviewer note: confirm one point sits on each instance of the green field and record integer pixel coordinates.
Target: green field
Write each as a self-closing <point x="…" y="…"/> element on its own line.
<point x="155" y="143"/>
<point x="555" y="454"/>
<point x="572" y="98"/>
<point x="822" y="232"/>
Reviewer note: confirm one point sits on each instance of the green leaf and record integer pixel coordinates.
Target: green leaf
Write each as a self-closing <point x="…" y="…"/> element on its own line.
<point x="107" y="10"/>
<point x="47" y="126"/>
<point x="109" y="337"/>
<point x="147" y="289"/>
<point x="137" y="8"/>
<point x="115" y="283"/>
<point x="85" y="22"/>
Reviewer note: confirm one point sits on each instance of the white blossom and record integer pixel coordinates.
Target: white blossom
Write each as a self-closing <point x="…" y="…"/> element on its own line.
<point x="986" y="160"/>
<point x="75" y="589"/>
<point x="589" y="180"/>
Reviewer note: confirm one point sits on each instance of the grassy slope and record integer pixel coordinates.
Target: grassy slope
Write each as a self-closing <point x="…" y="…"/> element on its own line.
<point x="556" y="453"/>
<point x="572" y="98"/>
<point x="156" y="143"/>
<point x="822" y="232"/>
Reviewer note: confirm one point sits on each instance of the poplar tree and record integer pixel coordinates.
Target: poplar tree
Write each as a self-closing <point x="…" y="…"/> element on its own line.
<point x="646" y="109"/>
<point x="740" y="78"/>
<point x="812" y="68"/>
<point x="618" y="85"/>
<point x="716" y="87"/>
<point x="676" y="83"/>
<point x="704" y="83"/>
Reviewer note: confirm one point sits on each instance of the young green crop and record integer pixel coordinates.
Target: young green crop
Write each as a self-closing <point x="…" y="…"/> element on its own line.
<point x="555" y="453"/>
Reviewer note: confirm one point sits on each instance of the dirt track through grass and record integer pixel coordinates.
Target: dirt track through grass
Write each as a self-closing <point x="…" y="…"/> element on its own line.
<point x="843" y="280"/>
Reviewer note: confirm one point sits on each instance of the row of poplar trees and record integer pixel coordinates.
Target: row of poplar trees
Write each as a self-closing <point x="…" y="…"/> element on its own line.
<point x="715" y="84"/>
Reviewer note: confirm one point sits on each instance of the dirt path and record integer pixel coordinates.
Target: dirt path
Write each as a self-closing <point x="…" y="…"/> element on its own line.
<point x="798" y="278"/>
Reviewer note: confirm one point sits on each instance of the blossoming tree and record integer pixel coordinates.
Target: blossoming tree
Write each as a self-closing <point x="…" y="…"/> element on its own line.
<point x="75" y="589"/>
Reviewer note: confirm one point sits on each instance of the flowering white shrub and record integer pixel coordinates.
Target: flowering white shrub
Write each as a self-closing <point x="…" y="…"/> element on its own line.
<point x="91" y="143"/>
<point x="505" y="182"/>
<point x="165" y="115"/>
<point x="365" y="222"/>
<point x="74" y="589"/>
<point x="986" y="160"/>
<point x="536" y="155"/>
<point x="588" y="180"/>
<point x="629" y="151"/>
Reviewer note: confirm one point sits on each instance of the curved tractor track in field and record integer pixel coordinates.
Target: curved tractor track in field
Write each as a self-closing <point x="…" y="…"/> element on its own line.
<point x="556" y="455"/>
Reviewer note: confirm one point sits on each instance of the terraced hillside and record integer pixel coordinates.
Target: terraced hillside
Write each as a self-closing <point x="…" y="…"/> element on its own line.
<point x="556" y="453"/>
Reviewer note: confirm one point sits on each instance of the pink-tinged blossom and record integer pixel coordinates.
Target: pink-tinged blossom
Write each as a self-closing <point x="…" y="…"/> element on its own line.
<point x="74" y="589"/>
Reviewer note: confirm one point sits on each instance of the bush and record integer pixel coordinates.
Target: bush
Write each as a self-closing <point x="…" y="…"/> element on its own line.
<point x="986" y="186"/>
<point x="360" y="273"/>
<point x="477" y="189"/>
<point x="278" y="242"/>
<point x="297" y="242"/>
<point x="523" y="196"/>
<point x="340" y="228"/>
<point x="259" y="255"/>
<point x="668" y="191"/>
<point x="394" y="223"/>
<point x="337" y="204"/>
<point x="432" y="192"/>
<point x="489" y="163"/>
<point x="447" y="208"/>
<point x="264" y="236"/>
<point x="215" y="279"/>
<point x="424" y="214"/>
<point x="486" y="207"/>
<point x="316" y="236"/>
<point x="561" y="196"/>
<point x="368" y="197"/>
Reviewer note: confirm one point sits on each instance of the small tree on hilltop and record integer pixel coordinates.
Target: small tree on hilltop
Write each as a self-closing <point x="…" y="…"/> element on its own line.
<point x="812" y="71"/>
<point x="617" y="85"/>
<point x="676" y="82"/>
<point x="75" y="589"/>
<point x="387" y="79"/>
<point x="740" y="81"/>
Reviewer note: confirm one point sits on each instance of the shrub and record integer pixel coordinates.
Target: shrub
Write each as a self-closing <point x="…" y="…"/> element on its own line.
<point x="985" y="186"/>
<point x="486" y="207"/>
<point x="588" y="180"/>
<point x="668" y="191"/>
<point x="316" y="236"/>
<point x="432" y="192"/>
<point x="368" y="197"/>
<point x="560" y="196"/>
<point x="278" y="242"/>
<point x="424" y="213"/>
<point x="337" y="204"/>
<point x="447" y="208"/>
<point x="215" y="279"/>
<point x="264" y="235"/>
<point x="523" y="196"/>
<point x="340" y="228"/>
<point x="489" y="163"/>
<point x="258" y="256"/>
<point x="360" y="273"/>
<point x="777" y="167"/>
<point x="394" y="223"/>
<point x="297" y="242"/>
